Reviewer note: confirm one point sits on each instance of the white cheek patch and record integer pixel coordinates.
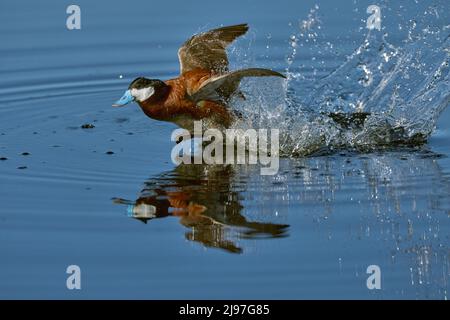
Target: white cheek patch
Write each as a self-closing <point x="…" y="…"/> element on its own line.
<point x="142" y="94"/>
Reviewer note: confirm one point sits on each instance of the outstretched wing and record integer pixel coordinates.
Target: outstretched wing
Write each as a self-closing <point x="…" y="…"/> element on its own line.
<point x="207" y="50"/>
<point x="222" y="87"/>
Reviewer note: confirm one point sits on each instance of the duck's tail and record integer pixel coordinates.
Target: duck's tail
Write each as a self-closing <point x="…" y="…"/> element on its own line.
<point x="221" y="88"/>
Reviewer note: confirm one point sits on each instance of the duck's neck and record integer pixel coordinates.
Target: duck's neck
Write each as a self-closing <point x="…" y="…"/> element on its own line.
<point x="153" y="106"/>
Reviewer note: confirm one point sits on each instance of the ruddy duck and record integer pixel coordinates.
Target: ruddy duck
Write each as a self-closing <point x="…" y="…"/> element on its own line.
<point x="205" y="85"/>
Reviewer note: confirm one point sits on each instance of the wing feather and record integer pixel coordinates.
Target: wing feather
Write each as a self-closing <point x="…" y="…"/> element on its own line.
<point x="207" y="50"/>
<point x="222" y="87"/>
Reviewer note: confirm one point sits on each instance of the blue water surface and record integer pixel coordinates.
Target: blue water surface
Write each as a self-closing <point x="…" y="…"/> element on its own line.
<point x="308" y="232"/>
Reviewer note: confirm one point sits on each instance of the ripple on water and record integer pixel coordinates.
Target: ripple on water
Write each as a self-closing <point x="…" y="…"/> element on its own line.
<point x="329" y="216"/>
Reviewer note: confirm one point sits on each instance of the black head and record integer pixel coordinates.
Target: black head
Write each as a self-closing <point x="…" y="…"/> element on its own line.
<point x="141" y="83"/>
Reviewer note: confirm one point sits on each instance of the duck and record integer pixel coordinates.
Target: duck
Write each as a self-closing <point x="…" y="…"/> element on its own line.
<point x="204" y="88"/>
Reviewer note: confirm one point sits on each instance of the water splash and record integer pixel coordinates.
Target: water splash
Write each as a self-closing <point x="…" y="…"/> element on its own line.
<point x="383" y="95"/>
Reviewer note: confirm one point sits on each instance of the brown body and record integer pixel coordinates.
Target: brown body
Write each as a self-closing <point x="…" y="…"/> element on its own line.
<point x="173" y="103"/>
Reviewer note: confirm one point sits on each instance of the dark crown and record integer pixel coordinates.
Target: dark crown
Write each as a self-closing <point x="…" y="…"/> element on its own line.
<point x="142" y="82"/>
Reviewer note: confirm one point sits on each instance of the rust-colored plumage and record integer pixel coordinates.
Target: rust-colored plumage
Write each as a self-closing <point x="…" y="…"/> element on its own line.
<point x="176" y="106"/>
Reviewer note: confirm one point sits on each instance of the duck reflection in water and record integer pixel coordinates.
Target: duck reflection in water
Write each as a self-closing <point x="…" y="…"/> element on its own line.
<point x="202" y="198"/>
